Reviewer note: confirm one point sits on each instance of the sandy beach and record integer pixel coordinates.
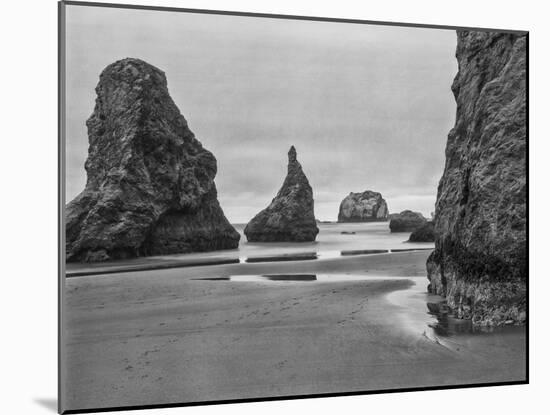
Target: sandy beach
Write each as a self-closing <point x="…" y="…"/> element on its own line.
<point x="184" y="335"/>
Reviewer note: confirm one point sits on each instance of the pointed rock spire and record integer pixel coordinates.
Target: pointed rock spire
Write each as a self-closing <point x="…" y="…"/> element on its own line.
<point x="290" y="216"/>
<point x="292" y="155"/>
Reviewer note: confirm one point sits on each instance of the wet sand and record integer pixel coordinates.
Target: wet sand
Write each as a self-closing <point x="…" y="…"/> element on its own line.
<point x="165" y="336"/>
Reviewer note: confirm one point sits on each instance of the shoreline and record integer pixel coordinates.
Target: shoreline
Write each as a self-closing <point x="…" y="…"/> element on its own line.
<point x="152" y="263"/>
<point x="366" y="237"/>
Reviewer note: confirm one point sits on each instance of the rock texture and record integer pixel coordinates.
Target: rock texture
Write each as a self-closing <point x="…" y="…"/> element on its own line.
<point x="406" y="221"/>
<point x="150" y="187"/>
<point x="289" y="217"/>
<point x="368" y="206"/>
<point x="423" y="234"/>
<point x="480" y="258"/>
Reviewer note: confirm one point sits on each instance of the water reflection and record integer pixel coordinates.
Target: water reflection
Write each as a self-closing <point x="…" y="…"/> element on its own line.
<point x="446" y="324"/>
<point x="263" y="277"/>
<point x="290" y="277"/>
<point x="293" y="277"/>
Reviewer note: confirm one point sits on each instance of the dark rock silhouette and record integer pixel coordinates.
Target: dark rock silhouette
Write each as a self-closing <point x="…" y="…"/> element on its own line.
<point x="480" y="257"/>
<point x="423" y="234"/>
<point x="368" y="206"/>
<point x="150" y="187"/>
<point x="289" y="217"/>
<point x="406" y="221"/>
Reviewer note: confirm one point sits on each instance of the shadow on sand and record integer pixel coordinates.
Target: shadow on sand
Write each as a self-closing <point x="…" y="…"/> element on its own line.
<point x="48" y="403"/>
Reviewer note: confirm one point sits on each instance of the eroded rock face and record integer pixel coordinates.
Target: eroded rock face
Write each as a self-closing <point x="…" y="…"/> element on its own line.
<point x="150" y="187"/>
<point x="290" y="216"/>
<point x="406" y="221"/>
<point x="368" y="206"/>
<point x="480" y="259"/>
<point x="423" y="234"/>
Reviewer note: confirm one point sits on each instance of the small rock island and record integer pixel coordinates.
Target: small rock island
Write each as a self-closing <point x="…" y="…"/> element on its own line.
<point x="423" y="234"/>
<point x="150" y="188"/>
<point x="290" y="216"/>
<point x="406" y="221"/>
<point x="368" y="206"/>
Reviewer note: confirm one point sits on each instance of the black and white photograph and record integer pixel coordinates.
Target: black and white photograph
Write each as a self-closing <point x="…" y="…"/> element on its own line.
<point x="259" y="207"/>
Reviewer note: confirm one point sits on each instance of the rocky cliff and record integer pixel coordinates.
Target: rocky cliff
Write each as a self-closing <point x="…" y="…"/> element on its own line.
<point x="368" y="206"/>
<point x="289" y="217"/>
<point x="150" y="186"/>
<point x="480" y="257"/>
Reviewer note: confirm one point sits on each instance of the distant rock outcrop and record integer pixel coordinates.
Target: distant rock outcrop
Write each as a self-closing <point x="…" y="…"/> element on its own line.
<point x="368" y="206"/>
<point x="423" y="234"/>
<point x="289" y="217"/>
<point x="480" y="258"/>
<point x="406" y="221"/>
<point x="150" y="187"/>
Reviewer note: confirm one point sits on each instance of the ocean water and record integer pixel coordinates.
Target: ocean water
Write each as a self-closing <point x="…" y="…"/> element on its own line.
<point x="333" y="241"/>
<point x="367" y="235"/>
<point x="330" y="242"/>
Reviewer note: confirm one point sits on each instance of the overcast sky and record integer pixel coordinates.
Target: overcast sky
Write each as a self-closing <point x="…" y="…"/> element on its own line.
<point x="367" y="107"/>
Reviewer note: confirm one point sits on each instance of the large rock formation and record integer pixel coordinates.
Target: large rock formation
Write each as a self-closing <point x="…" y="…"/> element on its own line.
<point x="423" y="234"/>
<point x="480" y="258"/>
<point x="368" y="206"/>
<point x="150" y="187"/>
<point x="289" y="217"/>
<point x="406" y="221"/>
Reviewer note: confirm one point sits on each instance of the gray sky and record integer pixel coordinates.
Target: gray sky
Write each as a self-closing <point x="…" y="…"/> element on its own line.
<point x="367" y="107"/>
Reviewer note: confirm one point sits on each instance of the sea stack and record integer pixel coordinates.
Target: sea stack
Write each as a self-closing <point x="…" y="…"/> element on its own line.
<point x="406" y="221"/>
<point x="480" y="258"/>
<point x="423" y="234"/>
<point x="289" y="217"/>
<point x="150" y="183"/>
<point x="368" y="206"/>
